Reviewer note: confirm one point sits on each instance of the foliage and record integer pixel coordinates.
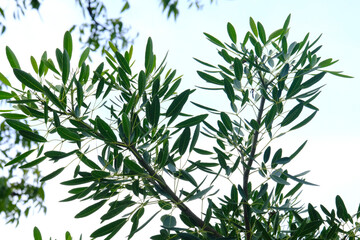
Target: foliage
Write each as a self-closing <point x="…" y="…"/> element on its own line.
<point x="20" y="189"/>
<point x="98" y="27"/>
<point x="132" y="144"/>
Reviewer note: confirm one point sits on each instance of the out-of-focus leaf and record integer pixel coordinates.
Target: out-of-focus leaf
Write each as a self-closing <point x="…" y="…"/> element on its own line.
<point x="5" y="95"/>
<point x="27" y="80"/>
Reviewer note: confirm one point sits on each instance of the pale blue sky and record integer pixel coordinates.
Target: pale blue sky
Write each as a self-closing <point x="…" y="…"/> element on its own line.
<point x="332" y="151"/>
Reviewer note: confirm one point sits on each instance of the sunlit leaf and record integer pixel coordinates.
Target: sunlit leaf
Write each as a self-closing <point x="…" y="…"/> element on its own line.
<point x="214" y="40"/>
<point x="231" y="32"/>
<point x="12" y="58"/>
<point x="68" y="43"/>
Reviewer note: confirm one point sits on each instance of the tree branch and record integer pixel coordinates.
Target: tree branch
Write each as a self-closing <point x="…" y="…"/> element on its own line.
<point x="173" y="197"/>
<point x="246" y="206"/>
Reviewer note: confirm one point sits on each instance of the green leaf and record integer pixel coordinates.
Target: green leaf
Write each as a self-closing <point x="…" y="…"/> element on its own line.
<point x="65" y="67"/>
<point x="123" y="63"/>
<point x="195" y="137"/>
<point x="5" y="95"/>
<point x="126" y="126"/>
<point x="133" y="166"/>
<point x="313" y="80"/>
<point x="56" y="155"/>
<point x="99" y="174"/>
<point x="33" y="163"/>
<point x="68" y="134"/>
<point x="238" y="69"/>
<point x="87" y="161"/>
<point x="184" y="140"/>
<point x="20" y="157"/>
<point x="68" y="43"/>
<point x="253" y="26"/>
<point x="13" y="116"/>
<point x="177" y="104"/>
<point x="165" y="205"/>
<point x="229" y="90"/>
<point x="141" y="82"/>
<point x="338" y="74"/>
<point x="91" y="209"/>
<point x="298" y="150"/>
<point x="267" y="154"/>
<point x="204" y="63"/>
<point x="55" y="100"/>
<point x="262" y="34"/>
<point x="78" y="181"/>
<point x="341" y="209"/>
<point x="4" y="80"/>
<point x="52" y="175"/>
<point x="278" y="179"/>
<point x="37" y="234"/>
<point x="304" y="122"/>
<point x="105" y="130"/>
<point x="84" y="56"/>
<point x="32" y="136"/>
<point x="168" y="221"/>
<point x="275" y="34"/>
<point x="214" y="40"/>
<point x="12" y="58"/>
<point x="34" y="64"/>
<point x="210" y="79"/>
<point x="27" y="80"/>
<point x="292" y="115"/>
<point x="192" y="121"/>
<point x="108" y="228"/>
<point x="232" y="33"/>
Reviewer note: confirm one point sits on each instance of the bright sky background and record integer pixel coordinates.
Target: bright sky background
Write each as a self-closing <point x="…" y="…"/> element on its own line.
<point x="332" y="152"/>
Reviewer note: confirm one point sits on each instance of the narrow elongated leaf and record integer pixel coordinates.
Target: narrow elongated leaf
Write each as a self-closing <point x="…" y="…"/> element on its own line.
<point x="91" y="209"/>
<point x="84" y="56"/>
<point x="17" y="125"/>
<point x="87" y="161"/>
<point x="304" y="122"/>
<point x="232" y="33"/>
<point x="210" y="79"/>
<point x="238" y="69"/>
<point x="177" y="104"/>
<point x="20" y="157"/>
<point x="52" y="175"/>
<point x="192" y="121"/>
<point x="65" y="67"/>
<point x="279" y="179"/>
<point x="5" y="95"/>
<point x="123" y="63"/>
<point x="126" y="125"/>
<point x="56" y="155"/>
<point x="37" y="234"/>
<point x="105" y="129"/>
<point x="4" y="80"/>
<point x="275" y="34"/>
<point x="229" y="90"/>
<point x="68" y="134"/>
<point x="55" y="100"/>
<point x="133" y="166"/>
<point x="184" y="140"/>
<point x="195" y="137"/>
<point x="298" y="150"/>
<point x="292" y="115"/>
<point x="68" y="43"/>
<point x="108" y="228"/>
<point x="78" y="181"/>
<point x="12" y="58"/>
<point x="141" y="82"/>
<point x="341" y="209"/>
<point x="313" y="80"/>
<point x="32" y="136"/>
<point x="262" y="33"/>
<point x="13" y="116"/>
<point x="27" y="80"/>
<point x="33" y="163"/>
<point x="214" y="40"/>
<point x="253" y="26"/>
<point x="99" y="174"/>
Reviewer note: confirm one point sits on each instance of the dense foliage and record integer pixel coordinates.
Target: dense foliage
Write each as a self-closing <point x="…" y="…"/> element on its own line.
<point x="125" y="131"/>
